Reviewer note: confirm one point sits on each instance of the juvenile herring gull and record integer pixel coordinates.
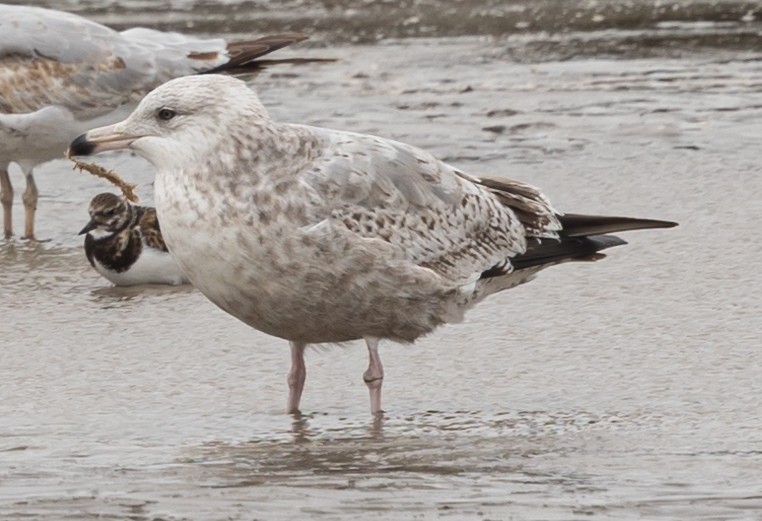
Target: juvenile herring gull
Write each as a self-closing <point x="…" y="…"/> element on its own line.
<point x="316" y="235"/>
<point x="61" y="74"/>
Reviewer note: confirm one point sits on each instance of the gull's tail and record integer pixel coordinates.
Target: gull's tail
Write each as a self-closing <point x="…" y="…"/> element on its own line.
<point x="582" y="237"/>
<point x="244" y="56"/>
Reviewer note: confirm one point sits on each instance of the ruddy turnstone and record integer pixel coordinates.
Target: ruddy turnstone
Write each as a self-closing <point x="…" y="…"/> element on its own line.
<point x="124" y="244"/>
<point x="62" y="74"/>
<point x="316" y="235"/>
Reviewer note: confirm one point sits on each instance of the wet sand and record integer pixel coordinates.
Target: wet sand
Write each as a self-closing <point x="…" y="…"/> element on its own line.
<point x="623" y="389"/>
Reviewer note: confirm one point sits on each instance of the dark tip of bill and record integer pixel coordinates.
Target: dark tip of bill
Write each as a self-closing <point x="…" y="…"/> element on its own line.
<point x="88" y="227"/>
<point x="81" y="146"/>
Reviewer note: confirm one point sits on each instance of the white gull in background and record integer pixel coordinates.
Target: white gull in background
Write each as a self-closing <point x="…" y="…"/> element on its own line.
<point x="316" y="235"/>
<point x="61" y="74"/>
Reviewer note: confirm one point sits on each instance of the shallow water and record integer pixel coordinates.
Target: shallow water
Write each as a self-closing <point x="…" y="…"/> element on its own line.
<point x="623" y="389"/>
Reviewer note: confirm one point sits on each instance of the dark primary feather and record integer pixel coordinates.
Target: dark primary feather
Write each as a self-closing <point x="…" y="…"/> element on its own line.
<point x="577" y="225"/>
<point x="581" y="236"/>
<point x="243" y="55"/>
<point x="550" y="251"/>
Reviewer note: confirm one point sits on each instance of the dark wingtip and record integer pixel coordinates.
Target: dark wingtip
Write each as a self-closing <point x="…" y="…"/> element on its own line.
<point x="602" y="242"/>
<point x="284" y="37"/>
<point x="81" y="147"/>
<point x="577" y="225"/>
<point x="552" y="251"/>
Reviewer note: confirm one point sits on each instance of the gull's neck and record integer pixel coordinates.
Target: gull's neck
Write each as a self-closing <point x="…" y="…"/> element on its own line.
<point x="222" y="157"/>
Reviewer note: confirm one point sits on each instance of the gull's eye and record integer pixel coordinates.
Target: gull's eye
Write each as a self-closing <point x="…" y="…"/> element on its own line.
<point x="110" y="213"/>
<point x="166" y="114"/>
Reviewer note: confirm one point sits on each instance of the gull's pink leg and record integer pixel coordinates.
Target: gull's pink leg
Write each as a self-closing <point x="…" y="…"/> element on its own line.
<point x="6" y="197"/>
<point x="296" y="377"/>
<point x="30" y="197"/>
<point x="374" y="376"/>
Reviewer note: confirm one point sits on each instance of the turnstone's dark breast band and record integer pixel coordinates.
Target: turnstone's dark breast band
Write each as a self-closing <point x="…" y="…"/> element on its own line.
<point x="123" y="242"/>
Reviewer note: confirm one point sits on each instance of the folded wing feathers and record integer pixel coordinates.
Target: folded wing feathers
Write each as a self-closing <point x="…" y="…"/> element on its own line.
<point x="55" y="58"/>
<point x="243" y="55"/>
<point x="529" y="205"/>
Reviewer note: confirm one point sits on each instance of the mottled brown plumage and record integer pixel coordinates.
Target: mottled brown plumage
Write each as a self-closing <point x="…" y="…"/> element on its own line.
<point x="150" y="229"/>
<point x="316" y="235"/>
<point x="125" y="245"/>
<point x="61" y="74"/>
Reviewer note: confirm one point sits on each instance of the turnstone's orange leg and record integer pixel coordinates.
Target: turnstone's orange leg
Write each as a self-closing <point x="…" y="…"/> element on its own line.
<point x="296" y="377"/>
<point x="374" y="376"/>
<point x="30" y="206"/>
<point x="6" y="197"/>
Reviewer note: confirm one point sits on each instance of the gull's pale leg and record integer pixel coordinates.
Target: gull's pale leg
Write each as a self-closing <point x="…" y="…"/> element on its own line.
<point x="374" y="376"/>
<point x="296" y="377"/>
<point x="6" y="197"/>
<point x="30" y="206"/>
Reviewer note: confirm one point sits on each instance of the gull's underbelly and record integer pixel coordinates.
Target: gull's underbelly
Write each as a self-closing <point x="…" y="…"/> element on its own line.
<point x="296" y="286"/>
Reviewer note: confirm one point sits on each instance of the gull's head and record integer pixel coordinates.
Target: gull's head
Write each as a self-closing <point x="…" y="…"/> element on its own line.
<point x="109" y="214"/>
<point x="180" y="119"/>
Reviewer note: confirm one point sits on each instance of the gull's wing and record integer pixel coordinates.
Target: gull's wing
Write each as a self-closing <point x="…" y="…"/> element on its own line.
<point x="54" y="58"/>
<point x="437" y="216"/>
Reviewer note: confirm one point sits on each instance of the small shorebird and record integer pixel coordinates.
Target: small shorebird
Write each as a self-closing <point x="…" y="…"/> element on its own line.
<point x="124" y="244"/>
<point x="61" y="74"/>
<point x="316" y="235"/>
